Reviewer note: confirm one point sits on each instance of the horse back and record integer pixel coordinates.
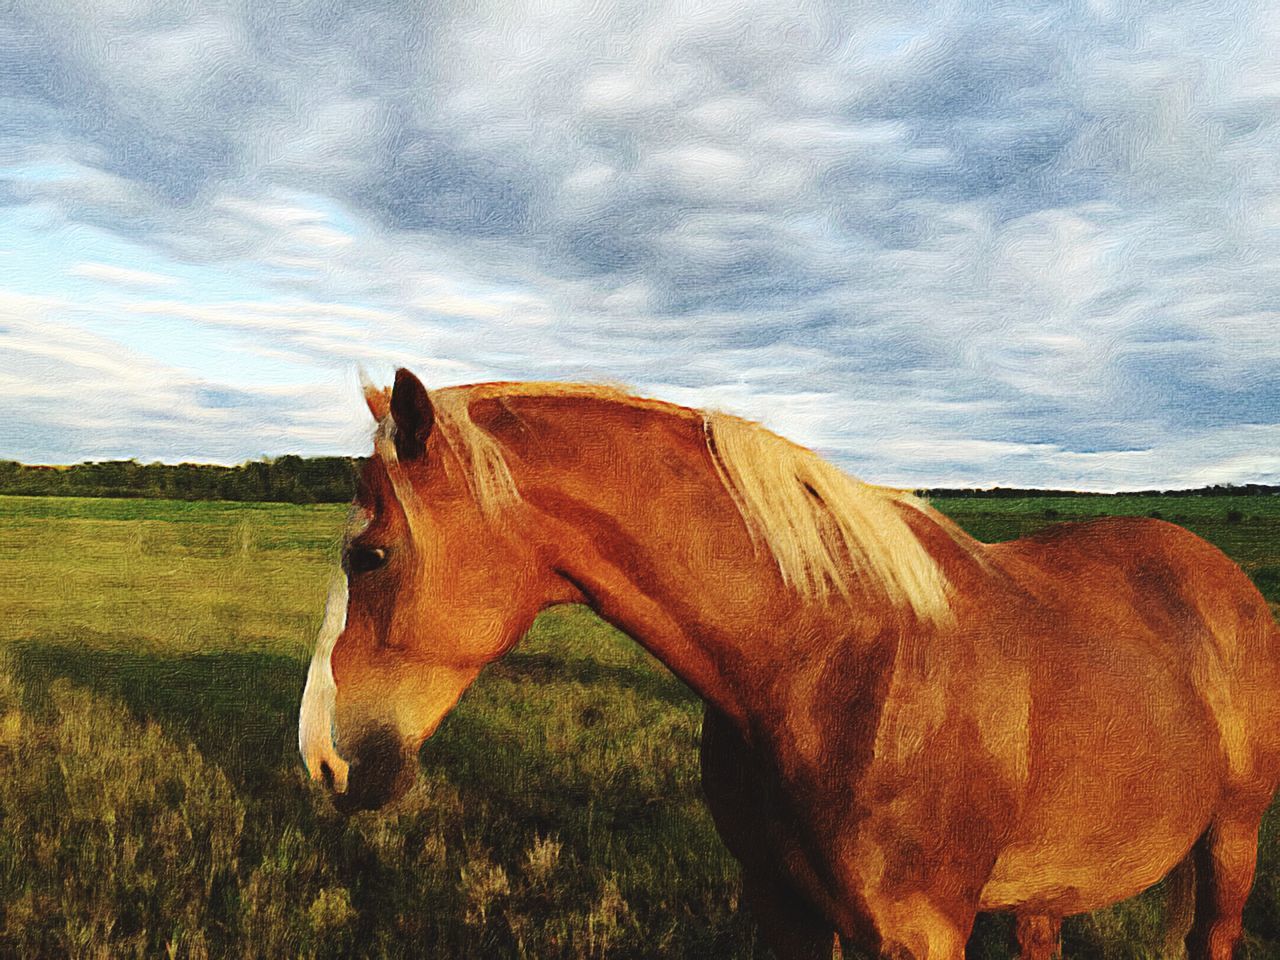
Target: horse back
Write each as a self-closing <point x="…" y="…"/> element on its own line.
<point x="1172" y="580"/>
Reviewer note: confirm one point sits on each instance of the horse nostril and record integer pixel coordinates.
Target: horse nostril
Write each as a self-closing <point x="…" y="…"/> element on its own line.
<point x="326" y="774"/>
<point x="380" y="771"/>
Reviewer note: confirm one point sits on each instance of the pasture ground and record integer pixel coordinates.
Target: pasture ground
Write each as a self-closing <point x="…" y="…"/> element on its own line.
<point x="151" y="658"/>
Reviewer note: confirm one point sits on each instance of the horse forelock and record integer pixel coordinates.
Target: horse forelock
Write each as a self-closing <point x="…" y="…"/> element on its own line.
<point x="476" y="451"/>
<point x="484" y="464"/>
<point x="384" y="453"/>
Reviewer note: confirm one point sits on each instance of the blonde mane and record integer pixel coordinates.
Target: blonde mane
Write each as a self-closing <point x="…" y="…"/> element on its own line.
<point x="825" y="530"/>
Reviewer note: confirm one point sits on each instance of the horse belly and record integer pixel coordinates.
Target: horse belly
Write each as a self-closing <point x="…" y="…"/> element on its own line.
<point x="1066" y="878"/>
<point x="1122" y="786"/>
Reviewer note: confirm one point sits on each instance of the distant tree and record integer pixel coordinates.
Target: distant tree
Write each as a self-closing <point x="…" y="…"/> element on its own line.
<point x="289" y="478"/>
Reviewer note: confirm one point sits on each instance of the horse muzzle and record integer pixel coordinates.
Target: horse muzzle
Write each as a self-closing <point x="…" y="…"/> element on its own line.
<point x="378" y="773"/>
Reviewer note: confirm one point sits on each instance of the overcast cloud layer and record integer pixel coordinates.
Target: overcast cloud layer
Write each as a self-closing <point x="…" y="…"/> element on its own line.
<point x="945" y="245"/>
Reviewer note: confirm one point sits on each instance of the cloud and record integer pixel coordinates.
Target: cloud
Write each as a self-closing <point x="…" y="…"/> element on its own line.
<point x="70" y="394"/>
<point x="121" y="276"/>
<point x="1026" y="240"/>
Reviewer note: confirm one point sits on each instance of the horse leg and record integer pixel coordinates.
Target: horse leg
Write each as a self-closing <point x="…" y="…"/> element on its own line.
<point x="1179" y="906"/>
<point x="788" y="925"/>
<point x="1039" y="936"/>
<point x="915" y="929"/>
<point x="737" y="788"/>
<point x="1225" y="858"/>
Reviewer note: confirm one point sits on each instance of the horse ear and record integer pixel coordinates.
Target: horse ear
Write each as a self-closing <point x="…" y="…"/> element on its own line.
<point x="378" y="399"/>
<point x="411" y="410"/>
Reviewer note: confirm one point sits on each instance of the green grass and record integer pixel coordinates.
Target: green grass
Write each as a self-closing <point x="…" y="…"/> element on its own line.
<point x="151" y="658"/>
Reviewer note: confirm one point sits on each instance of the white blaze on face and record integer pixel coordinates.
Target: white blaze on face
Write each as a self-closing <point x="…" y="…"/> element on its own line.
<point x="319" y="698"/>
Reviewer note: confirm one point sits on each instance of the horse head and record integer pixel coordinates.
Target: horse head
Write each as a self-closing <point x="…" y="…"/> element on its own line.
<point x="436" y="582"/>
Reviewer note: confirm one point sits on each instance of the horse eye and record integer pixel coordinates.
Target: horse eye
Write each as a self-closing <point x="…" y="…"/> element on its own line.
<point x="364" y="559"/>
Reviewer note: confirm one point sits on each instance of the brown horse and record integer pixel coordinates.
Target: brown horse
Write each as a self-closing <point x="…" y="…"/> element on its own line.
<point x="904" y="726"/>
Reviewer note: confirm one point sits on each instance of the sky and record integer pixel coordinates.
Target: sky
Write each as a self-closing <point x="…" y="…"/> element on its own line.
<point x="1012" y="244"/>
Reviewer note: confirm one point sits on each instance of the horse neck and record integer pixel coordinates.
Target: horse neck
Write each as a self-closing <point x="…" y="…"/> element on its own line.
<point x="640" y="522"/>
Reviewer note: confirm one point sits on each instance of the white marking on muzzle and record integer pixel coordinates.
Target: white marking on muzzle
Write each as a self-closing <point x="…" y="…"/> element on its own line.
<point x="319" y="698"/>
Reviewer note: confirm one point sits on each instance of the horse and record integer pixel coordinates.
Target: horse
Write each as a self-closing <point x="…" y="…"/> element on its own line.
<point x="904" y="726"/>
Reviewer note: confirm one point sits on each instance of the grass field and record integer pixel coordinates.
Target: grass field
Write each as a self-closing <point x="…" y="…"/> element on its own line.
<point x="151" y="658"/>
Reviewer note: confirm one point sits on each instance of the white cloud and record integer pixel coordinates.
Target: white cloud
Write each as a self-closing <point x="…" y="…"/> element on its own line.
<point x="121" y="276"/>
<point x="69" y="394"/>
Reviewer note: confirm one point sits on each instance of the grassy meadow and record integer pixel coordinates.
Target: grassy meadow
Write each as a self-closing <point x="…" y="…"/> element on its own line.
<point x="152" y="654"/>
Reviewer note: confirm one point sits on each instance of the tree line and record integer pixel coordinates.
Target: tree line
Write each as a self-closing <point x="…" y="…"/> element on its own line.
<point x="1215" y="490"/>
<point x="294" y="479"/>
<point x="288" y="479"/>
